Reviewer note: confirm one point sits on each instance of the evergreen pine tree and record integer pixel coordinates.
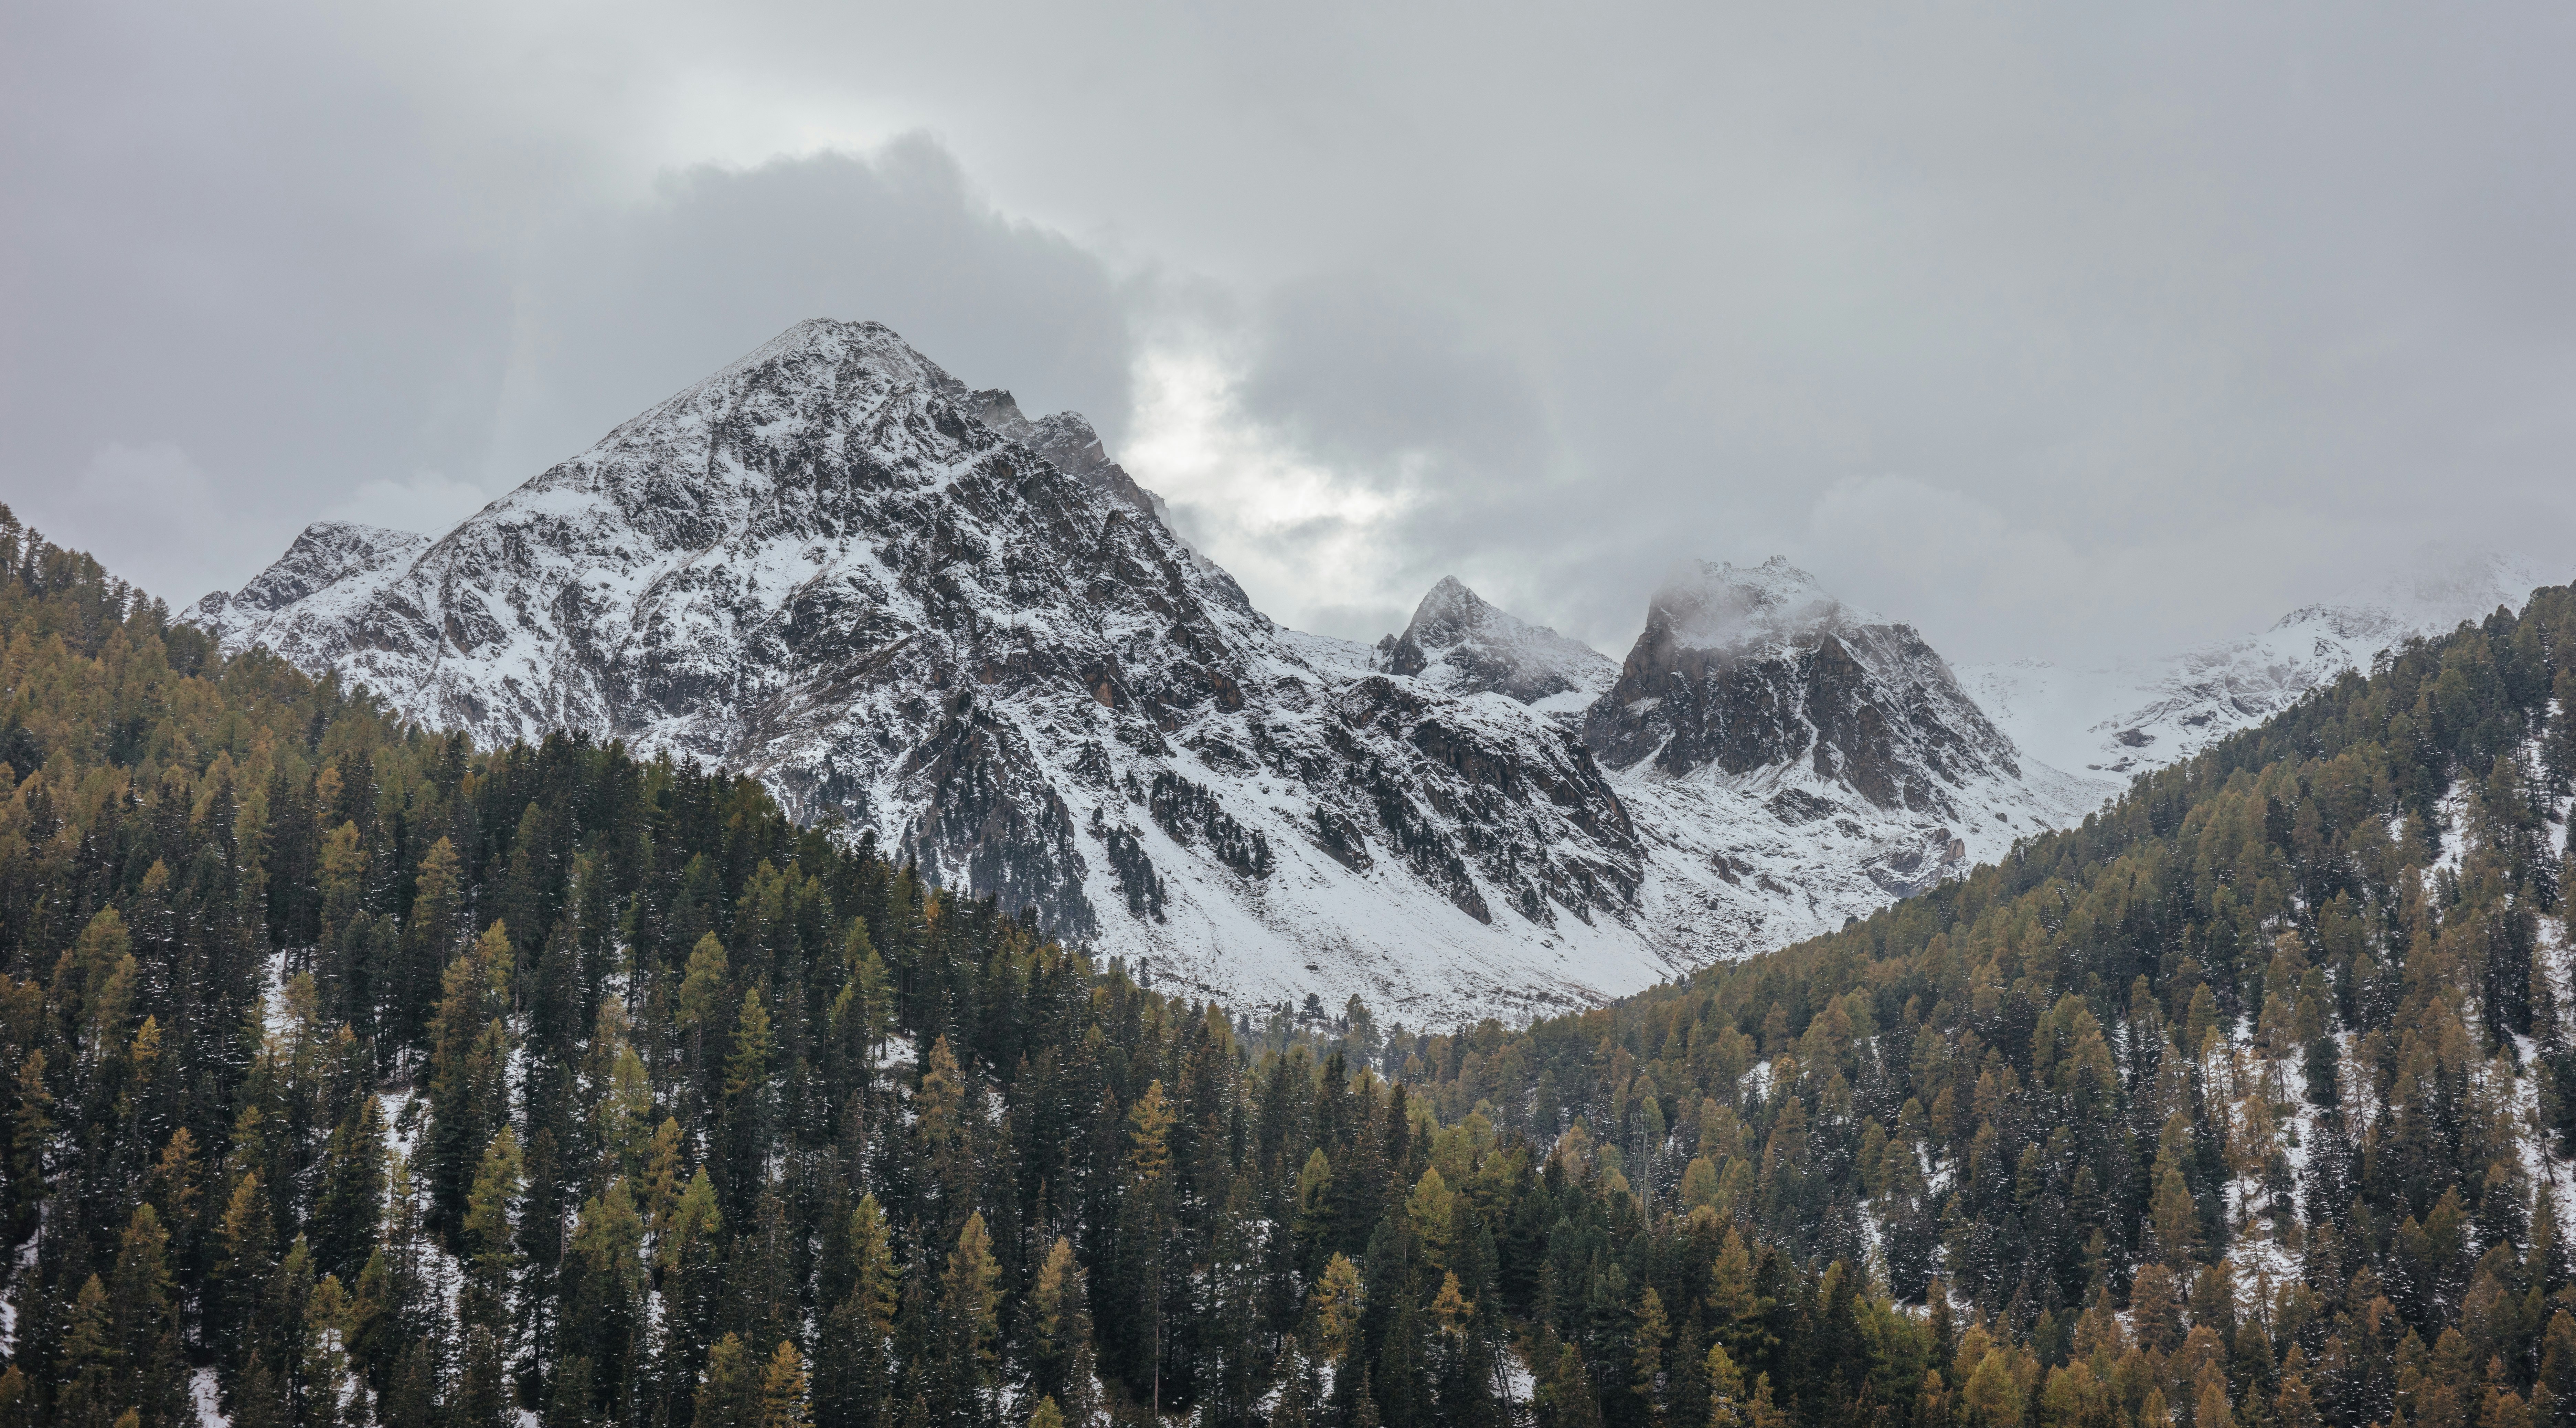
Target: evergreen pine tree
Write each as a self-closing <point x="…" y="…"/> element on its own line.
<point x="469" y="1058"/>
<point x="728" y="1394"/>
<point x="492" y="1253"/>
<point x="31" y="1129"/>
<point x="1647" y="1340"/>
<point x="854" y="1385"/>
<point x="429" y="937"/>
<point x="145" y="1325"/>
<point x="95" y="1386"/>
<point x="604" y="1292"/>
<point x="349" y="1207"/>
<point x="783" y="1390"/>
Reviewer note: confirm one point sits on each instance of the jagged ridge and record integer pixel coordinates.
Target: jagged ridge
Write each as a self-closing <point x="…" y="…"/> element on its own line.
<point x="901" y="603"/>
<point x="972" y="636"/>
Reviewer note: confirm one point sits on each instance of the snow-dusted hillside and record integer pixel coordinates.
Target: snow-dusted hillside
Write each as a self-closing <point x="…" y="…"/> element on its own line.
<point x="2117" y="720"/>
<point x="341" y="562"/>
<point x="907" y="605"/>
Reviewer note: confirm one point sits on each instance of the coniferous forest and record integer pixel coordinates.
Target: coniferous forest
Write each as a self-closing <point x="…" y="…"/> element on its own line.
<point x="357" y="1075"/>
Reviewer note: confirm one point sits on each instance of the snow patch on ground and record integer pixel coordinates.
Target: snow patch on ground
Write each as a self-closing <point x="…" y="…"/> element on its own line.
<point x="208" y="1399"/>
<point x="1520" y="1386"/>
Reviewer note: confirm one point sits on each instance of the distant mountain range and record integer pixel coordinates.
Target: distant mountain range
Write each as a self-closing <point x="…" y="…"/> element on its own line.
<point x="2121" y="719"/>
<point x="972" y="636"/>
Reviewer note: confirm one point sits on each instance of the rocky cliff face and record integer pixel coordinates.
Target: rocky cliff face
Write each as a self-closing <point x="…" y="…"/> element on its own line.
<point x="1748" y="670"/>
<point x="902" y="603"/>
<point x="1788" y="760"/>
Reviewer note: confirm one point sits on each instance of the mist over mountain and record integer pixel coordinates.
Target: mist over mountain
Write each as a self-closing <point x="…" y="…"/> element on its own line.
<point x="2118" y="718"/>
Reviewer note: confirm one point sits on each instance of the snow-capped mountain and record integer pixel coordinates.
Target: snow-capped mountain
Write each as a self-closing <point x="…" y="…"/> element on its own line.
<point x="343" y="558"/>
<point x="2121" y="719"/>
<point x="905" y="604"/>
<point x="899" y="602"/>
<point x="1458" y="644"/>
<point x="1787" y="760"/>
<point x="1794" y="760"/>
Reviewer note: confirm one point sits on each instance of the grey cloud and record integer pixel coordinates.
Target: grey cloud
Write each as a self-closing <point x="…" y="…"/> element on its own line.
<point x="2207" y="307"/>
<point x="2196" y="306"/>
<point x="233" y="275"/>
<point x="624" y="306"/>
<point x="1358" y="371"/>
<point x="250" y="283"/>
<point x="1406" y="396"/>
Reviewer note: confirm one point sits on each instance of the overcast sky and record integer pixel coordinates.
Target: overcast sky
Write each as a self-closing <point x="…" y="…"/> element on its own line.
<point x="2054" y="329"/>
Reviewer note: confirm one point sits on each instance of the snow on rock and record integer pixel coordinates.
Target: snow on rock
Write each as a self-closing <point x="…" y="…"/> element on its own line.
<point x="1758" y="671"/>
<point x="1461" y="645"/>
<point x="1722" y="608"/>
<point x="971" y="635"/>
<point x="1795" y="761"/>
<point x="902" y="603"/>
<point x="341" y="557"/>
<point x="2123" y="719"/>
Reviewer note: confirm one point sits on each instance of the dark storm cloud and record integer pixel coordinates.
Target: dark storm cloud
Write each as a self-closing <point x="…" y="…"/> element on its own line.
<point x="2052" y="328"/>
<point x="1410" y="399"/>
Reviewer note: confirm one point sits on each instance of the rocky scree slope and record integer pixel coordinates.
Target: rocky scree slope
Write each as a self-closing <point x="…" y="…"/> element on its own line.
<point x="902" y="603"/>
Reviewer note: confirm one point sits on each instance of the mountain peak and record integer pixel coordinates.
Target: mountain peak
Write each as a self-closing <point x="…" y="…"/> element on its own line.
<point x="869" y="346"/>
<point x="1459" y="643"/>
<point x="1755" y="670"/>
<point x="1712" y="605"/>
<point x="1450" y="609"/>
<point x="323" y="554"/>
<point x="832" y="335"/>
